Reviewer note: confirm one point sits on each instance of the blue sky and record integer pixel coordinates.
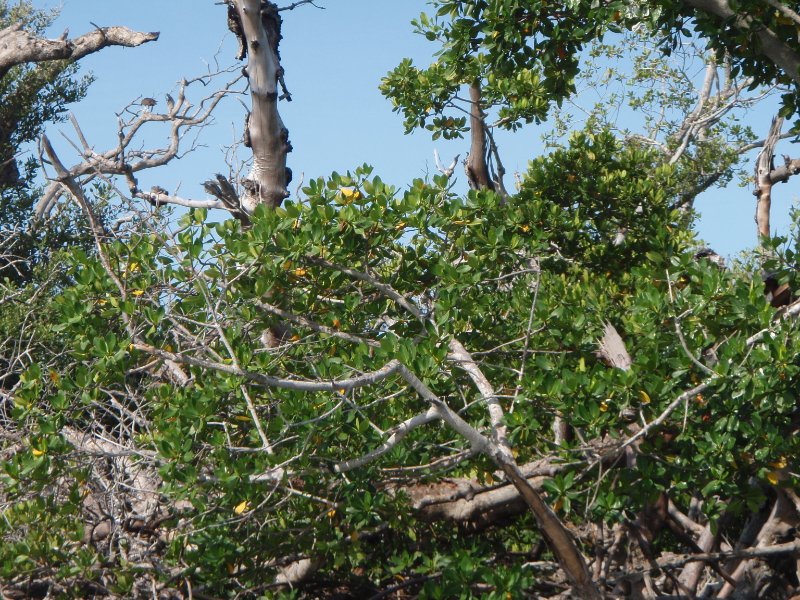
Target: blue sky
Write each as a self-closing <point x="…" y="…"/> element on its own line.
<point x="334" y="60"/>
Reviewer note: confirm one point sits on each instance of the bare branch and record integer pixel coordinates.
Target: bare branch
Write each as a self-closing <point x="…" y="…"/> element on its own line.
<point x="18" y="46"/>
<point x="127" y="162"/>
<point x="397" y="434"/>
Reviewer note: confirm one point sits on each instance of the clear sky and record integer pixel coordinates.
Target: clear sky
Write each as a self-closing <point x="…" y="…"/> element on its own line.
<point x="334" y="60"/>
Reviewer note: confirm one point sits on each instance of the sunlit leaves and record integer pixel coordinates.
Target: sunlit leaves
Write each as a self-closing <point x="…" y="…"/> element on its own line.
<point x="526" y="284"/>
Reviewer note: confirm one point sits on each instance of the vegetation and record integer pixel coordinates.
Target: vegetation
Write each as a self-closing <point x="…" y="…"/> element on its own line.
<point x="373" y="391"/>
<point x="30" y="97"/>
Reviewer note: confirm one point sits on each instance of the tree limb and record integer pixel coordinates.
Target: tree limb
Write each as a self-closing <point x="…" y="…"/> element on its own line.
<point x="18" y="46"/>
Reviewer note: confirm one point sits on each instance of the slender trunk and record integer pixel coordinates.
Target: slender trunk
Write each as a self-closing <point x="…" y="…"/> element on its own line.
<point x="476" y="167"/>
<point x="764" y="167"/>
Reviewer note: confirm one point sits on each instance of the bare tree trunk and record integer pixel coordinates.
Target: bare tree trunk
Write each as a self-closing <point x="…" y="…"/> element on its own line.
<point x="767" y="175"/>
<point x="260" y="33"/>
<point x="476" y="167"/>
<point x="764" y="166"/>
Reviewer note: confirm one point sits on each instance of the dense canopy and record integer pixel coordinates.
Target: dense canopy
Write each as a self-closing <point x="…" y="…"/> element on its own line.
<point x="543" y="387"/>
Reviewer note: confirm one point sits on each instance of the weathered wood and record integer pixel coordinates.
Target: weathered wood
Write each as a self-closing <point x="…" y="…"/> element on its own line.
<point x="18" y="46"/>
<point x="269" y="139"/>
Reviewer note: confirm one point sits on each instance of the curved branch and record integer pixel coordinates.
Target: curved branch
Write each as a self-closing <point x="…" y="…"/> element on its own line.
<point x="302" y="385"/>
<point x="400" y="431"/>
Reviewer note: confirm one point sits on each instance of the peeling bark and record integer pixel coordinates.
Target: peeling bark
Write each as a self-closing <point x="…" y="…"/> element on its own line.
<point x="269" y="177"/>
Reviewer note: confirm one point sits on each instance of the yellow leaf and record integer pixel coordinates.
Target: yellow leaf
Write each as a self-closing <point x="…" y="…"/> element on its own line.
<point x="604" y="406"/>
<point x="243" y="418"/>
<point x="400" y="226"/>
<point x="241" y="507"/>
<point x="779" y="464"/>
<point x="137" y="293"/>
<point x="644" y="397"/>
<point x="525" y="228"/>
<point x="350" y="193"/>
<point x="773" y="477"/>
<point x="101" y="302"/>
<point x="36" y="452"/>
<point x="294" y="338"/>
<point x="354" y="536"/>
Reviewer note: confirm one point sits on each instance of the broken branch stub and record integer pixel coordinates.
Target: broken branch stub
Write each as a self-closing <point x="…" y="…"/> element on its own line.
<point x="258" y="29"/>
<point x="612" y="349"/>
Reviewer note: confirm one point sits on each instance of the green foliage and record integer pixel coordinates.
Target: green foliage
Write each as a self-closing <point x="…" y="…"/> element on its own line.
<point x="30" y="97"/>
<point x="474" y="267"/>
<point x="526" y="54"/>
<point x="183" y="351"/>
<point x="523" y="53"/>
<point x="742" y="41"/>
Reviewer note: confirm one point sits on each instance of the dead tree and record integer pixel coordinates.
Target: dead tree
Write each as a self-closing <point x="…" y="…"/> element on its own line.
<point x="257" y="25"/>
